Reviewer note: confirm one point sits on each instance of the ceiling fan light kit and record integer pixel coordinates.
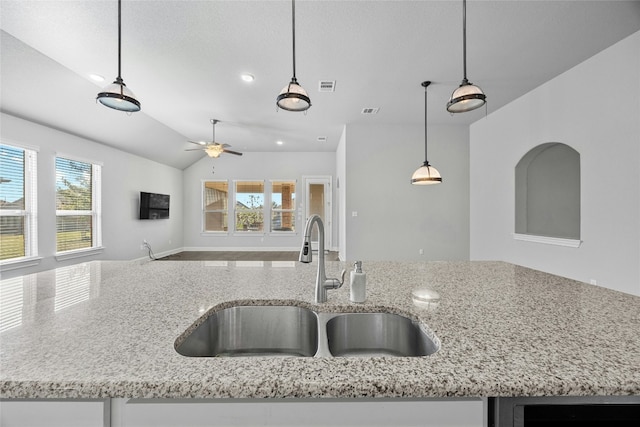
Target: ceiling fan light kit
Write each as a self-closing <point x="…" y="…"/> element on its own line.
<point x="426" y="174"/>
<point x="293" y="97"/>
<point x="467" y="96"/>
<point x="117" y="95"/>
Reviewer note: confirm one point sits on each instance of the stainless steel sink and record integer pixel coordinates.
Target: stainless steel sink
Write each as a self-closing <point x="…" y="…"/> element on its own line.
<point x="377" y="334"/>
<point x="255" y="331"/>
<point x="295" y="331"/>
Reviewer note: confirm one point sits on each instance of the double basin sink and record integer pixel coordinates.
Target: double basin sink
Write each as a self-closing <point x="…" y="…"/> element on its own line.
<point x="284" y="330"/>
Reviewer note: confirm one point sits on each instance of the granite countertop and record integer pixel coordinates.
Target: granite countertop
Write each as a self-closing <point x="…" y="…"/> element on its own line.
<point x="107" y="329"/>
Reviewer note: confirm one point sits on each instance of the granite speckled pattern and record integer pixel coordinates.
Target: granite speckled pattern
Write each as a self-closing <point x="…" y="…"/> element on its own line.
<point x="107" y="329"/>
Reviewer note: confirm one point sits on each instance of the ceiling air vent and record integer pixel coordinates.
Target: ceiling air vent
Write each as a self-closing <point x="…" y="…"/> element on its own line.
<point x="370" y="110"/>
<point x="327" y="86"/>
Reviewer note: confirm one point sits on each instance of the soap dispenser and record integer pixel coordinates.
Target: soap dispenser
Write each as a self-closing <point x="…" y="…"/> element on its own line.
<point x="358" y="283"/>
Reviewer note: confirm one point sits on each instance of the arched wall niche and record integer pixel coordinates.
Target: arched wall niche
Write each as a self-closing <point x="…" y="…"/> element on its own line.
<point x="547" y="186"/>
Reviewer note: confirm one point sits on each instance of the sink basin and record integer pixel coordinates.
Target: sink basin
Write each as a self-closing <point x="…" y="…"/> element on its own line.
<point x="284" y="330"/>
<point x="255" y="331"/>
<point x="377" y="334"/>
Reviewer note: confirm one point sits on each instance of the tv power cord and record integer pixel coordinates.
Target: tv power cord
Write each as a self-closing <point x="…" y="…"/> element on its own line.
<point x="151" y="255"/>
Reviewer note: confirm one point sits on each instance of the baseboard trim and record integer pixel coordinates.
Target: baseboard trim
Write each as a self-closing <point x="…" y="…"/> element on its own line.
<point x="241" y="249"/>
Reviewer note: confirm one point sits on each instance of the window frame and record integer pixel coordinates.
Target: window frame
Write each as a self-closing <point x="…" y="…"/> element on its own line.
<point x="95" y="213"/>
<point x="205" y="211"/>
<point x="262" y="210"/>
<point x="293" y="210"/>
<point x="29" y="213"/>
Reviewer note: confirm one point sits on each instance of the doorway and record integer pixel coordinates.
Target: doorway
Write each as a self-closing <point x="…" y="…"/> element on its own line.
<point x="318" y="202"/>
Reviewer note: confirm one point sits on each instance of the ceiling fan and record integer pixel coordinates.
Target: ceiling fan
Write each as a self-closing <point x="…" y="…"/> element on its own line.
<point x="213" y="148"/>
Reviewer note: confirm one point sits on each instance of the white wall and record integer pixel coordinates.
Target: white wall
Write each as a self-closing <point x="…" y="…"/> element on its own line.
<point x="123" y="177"/>
<point x="251" y="166"/>
<point x="593" y="108"/>
<point x="396" y="219"/>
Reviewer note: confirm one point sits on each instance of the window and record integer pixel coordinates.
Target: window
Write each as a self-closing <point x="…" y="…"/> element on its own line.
<point x="18" y="203"/>
<point x="249" y="207"/>
<point x="215" y="200"/>
<point x="283" y="206"/>
<point x="78" y="205"/>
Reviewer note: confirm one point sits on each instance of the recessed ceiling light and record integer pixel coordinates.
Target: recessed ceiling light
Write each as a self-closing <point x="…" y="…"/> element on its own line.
<point x="279" y="142"/>
<point x="96" y="77"/>
<point x="247" y="77"/>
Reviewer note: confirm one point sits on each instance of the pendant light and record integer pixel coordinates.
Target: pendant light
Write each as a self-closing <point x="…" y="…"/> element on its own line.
<point x="467" y="96"/>
<point x="117" y="95"/>
<point x="426" y="174"/>
<point x="293" y="97"/>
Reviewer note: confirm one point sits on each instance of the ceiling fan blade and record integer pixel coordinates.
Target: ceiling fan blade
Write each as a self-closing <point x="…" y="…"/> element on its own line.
<point x="198" y="143"/>
<point x="233" y="152"/>
<point x="194" y="149"/>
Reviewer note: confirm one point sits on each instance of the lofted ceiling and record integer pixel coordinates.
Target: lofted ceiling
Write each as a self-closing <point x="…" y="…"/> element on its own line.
<point x="183" y="60"/>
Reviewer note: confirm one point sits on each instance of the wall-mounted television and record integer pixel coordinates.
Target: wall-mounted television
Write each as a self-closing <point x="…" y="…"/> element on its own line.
<point x="154" y="206"/>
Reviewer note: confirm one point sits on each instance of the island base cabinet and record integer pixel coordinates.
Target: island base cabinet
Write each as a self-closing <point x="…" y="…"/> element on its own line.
<point x="301" y="412"/>
<point x="55" y="413"/>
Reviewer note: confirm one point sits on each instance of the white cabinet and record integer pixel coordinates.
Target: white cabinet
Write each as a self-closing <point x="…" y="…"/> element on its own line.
<point x="54" y="413"/>
<point x="289" y="412"/>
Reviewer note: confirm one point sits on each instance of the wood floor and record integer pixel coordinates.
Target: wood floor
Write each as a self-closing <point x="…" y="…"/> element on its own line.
<point x="240" y="256"/>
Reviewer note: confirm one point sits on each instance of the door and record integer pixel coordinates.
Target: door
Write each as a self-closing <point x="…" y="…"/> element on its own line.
<point x="318" y="202"/>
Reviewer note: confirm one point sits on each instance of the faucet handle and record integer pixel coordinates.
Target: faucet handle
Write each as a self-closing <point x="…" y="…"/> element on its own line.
<point x="335" y="283"/>
<point x="342" y="276"/>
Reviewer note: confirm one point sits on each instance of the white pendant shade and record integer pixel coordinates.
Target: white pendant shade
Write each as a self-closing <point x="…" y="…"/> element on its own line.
<point x="465" y="98"/>
<point x="426" y="175"/>
<point x="293" y="97"/>
<point x="119" y="97"/>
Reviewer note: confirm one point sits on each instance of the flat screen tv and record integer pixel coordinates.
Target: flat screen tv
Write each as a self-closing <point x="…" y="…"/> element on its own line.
<point x="154" y="206"/>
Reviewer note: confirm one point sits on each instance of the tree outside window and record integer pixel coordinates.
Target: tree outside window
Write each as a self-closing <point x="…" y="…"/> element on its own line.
<point x="249" y="206"/>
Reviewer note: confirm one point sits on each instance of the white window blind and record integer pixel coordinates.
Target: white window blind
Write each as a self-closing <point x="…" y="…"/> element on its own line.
<point x="18" y="203"/>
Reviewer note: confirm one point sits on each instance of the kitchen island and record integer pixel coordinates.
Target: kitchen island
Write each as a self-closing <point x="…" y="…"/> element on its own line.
<point x="107" y="329"/>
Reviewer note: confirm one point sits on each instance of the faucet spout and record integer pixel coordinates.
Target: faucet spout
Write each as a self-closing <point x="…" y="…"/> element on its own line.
<point x="322" y="283"/>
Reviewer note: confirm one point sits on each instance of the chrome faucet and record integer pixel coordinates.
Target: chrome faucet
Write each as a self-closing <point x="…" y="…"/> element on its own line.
<point x="322" y="283"/>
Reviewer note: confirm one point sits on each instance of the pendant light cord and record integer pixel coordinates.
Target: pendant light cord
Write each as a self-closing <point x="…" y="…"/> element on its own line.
<point x="293" y="26"/>
<point x="464" y="39"/>
<point x="119" y="39"/>
<point x="426" y="85"/>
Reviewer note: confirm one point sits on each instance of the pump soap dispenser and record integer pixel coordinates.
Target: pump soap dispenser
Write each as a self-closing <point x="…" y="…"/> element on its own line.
<point x="358" y="283"/>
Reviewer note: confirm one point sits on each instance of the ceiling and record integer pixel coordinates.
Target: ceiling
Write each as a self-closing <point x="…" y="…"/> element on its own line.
<point x="183" y="60"/>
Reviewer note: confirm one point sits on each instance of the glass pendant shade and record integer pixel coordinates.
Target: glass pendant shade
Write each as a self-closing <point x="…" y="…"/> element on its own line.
<point x="466" y="97"/>
<point x="426" y="175"/>
<point x="293" y="97"/>
<point x="119" y="97"/>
